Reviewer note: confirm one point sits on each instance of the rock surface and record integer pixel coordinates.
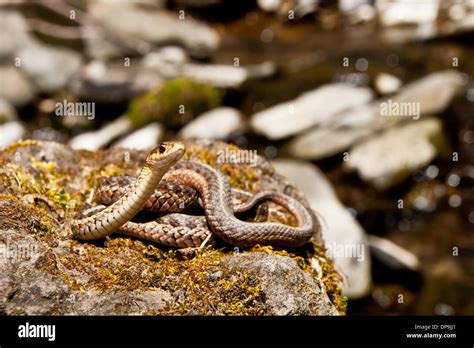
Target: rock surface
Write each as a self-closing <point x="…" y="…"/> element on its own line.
<point x="432" y="94"/>
<point x="340" y="230"/>
<point x="143" y="27"/>
<point x="15" y="87"/>
<point x="219" y="123"/>
<point x="11" y="132"/>
<point x="46" y="271"/>
<point x="309" y="109"/>
<point x="387" y="159"/>
<point x="142" y="139"/>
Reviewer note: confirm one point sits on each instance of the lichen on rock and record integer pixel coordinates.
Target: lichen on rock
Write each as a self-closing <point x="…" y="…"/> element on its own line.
<point x="44" y="270"/>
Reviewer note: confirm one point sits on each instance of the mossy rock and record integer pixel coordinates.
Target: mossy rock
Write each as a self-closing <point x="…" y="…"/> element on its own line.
<point x="175" y="104"/>
<point x="46" y="271"/>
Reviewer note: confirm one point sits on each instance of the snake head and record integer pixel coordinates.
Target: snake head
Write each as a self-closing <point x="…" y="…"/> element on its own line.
<point x="165" y="154"/>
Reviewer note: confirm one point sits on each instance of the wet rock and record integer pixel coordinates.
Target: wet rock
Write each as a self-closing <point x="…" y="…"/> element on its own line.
<point x="219" y="123"/>
<point x="389" y="158"/>
<point x="407" y="12"/>
<point x="7" y="112"/>
<point x="310" y="109"/>
<point x="393" y="255"/>
<point x="16" y="87"/>
<point x="44" y="270"/>
<point x="387" y="84"/>
<point x="286" y="288"/>
<point x="98" y="139"/>
<point x="142" y="139"/>
<point x="143" y="27"/>
<point x="172" y="62"/>
<point x="431" y="94"/>
<point x="113" y="82"/>
<point x="11" y="132"/>
<point x="49" y="67"/>
<point x="345" y="239"/>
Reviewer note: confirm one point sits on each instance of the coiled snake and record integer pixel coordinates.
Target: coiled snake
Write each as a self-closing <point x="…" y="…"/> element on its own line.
<point x="180" y="230"/>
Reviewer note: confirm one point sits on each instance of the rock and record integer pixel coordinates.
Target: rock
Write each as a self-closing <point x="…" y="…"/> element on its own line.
<point x="98" y="139"/>
<point x="126" y="276"/>
<point x="142" y="139"/>
<point x="172" y="62"/>
<point x="287" y="289"/>
<point x="7" y="112"/>
<point x="322" y="142"/>
<point x="310" y="109"/>
<point x="15" y="87"/>
<point x="143" y="27"/>
<point x="393" y="255"/>
<point x="11" y="132"/>
<point x="269" y="5"/>
<point x="432" y="94"/>
<point x="387" y="84"/>
<point x="13" y="35"/>
<point x="113" y="82"/>
<point x="341" y="231"/>
<point x="387" y="159"/>
<point x="218" y="123"/>
<point x="49" y="67"/>
<point x="407" y="12"/>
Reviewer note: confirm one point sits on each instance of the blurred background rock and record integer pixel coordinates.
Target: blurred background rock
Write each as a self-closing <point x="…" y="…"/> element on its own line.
<point x="300" y="81"/>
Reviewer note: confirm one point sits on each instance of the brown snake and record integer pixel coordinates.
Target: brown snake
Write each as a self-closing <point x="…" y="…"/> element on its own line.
<point x="190" y="231"/>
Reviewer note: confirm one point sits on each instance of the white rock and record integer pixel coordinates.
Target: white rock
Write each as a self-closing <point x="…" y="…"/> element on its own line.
<point x="340" y="230"/>
<point x="392" y="254"/>
<point x="50" y="68"/>
<point x="143" y="27"/>
<point x="15" y="87"/>
<point x="324" y="142"/>
<point x="308" y="110"/>
<point x="142" y="139"/>
<point x="407" y="11"/>
<point x="432" y="94"/>
<point x="95" y="140"/>
<point x="386" y="159"/>
<point x="10" y="133"/>
<point x="7" y="111"/>
<point x="269" y="5"/>
<point x="219" y="123"/>
<point x="387" y="83"/>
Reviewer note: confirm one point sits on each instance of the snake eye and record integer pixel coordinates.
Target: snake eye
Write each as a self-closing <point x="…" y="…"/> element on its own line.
<point x="162" y="148"/>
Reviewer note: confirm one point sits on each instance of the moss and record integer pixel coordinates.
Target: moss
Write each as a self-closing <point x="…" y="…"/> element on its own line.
<point x="164" y="105"/>
<point x="200" y="284"/>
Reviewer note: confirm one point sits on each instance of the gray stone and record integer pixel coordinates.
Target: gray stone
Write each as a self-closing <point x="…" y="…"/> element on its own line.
<point x="144" y="138"/>
<point x="219" y="123"/>
<point x="287" y="289"/>
<point x="308" y="110"/>
<point x="340" y="230"/>
<point x="98" y="139"/>
<point x="432" y="94"/>
<point x="11" y="132"/>
<point x="392" y="254"/>
<point x="390" y="157"/>
<point x="15" y="87"/>
<point x="143" y="27"/>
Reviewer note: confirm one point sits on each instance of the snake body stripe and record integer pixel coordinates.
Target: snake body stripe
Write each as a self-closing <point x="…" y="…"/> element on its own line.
<point x="216" y="196"/>
<point x="111" y="218"/>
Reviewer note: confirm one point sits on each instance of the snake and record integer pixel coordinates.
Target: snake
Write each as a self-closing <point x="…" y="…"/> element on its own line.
<point x="182" y="231"/>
